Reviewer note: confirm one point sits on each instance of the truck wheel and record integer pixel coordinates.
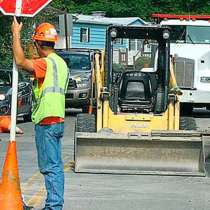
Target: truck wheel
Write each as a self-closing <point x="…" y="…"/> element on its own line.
<point x="187" y="123"/>
<point x="27" y="118"/>
<point x="159" y="102"/>
<point x="85" y="123"/>
<point x="186" y="109"/>
<point x="85" y="109"/>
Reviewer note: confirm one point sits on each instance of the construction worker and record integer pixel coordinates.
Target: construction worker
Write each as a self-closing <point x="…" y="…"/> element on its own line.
<point x="50" y="77"/>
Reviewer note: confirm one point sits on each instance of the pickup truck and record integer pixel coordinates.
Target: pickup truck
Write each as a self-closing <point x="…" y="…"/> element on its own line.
<point x="80" y="64"/>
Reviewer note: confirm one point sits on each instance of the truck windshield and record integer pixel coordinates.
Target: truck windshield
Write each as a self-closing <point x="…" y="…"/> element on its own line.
<point x="77" y="62"/>
<point x="190" y="34"/>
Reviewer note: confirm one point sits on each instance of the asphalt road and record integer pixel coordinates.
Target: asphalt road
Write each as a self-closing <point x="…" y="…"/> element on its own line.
<point x="105" y="191"/>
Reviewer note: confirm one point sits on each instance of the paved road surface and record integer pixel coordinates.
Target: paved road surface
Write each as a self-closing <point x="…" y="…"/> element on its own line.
<point x="107" y="192"/>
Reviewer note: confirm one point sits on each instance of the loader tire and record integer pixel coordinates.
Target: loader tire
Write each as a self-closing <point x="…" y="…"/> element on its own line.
<point x="187" y="123"/>
<point x="186" y="109"/>
<point x="85" y="109"/>
<point x="85" y="123"/>
<point x="159" y="101"/>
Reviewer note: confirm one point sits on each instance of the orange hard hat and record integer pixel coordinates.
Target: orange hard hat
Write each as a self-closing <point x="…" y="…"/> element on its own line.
<point x="45" y="32"/>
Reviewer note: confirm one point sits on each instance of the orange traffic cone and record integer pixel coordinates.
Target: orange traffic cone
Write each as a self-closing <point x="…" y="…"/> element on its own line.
<point x="5" y="124"/>
<point x="10" y="192"/>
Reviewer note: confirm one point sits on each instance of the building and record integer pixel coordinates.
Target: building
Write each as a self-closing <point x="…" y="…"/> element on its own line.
<point x="89" y="31"/>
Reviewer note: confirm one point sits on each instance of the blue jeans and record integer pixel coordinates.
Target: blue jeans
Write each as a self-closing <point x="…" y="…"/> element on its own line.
<point x="48" y="144"/>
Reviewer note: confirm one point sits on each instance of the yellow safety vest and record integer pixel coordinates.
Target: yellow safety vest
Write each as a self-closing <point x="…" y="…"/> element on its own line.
<point x="50" y="97"/>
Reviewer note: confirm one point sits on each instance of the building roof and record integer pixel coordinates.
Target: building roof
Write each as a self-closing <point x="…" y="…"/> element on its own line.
<point x="94" y="19"/>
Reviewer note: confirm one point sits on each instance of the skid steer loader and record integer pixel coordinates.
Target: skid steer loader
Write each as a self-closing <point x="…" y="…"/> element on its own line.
<point x="134" y="128"/>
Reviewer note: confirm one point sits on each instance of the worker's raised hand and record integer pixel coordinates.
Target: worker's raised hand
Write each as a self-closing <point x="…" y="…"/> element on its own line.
<point x="16" y="27"/>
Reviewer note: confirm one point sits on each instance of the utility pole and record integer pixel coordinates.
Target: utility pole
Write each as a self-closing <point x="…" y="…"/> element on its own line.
<point x="66" y="28"/>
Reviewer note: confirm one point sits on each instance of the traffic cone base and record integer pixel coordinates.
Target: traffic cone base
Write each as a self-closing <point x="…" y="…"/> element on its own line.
<point x="10" y="192"/>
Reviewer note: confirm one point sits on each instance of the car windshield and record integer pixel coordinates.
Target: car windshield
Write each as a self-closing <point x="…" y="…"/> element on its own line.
<point x="77" y="62"/>
<point x="190" y="34"/>
<point x="5" y="78"/>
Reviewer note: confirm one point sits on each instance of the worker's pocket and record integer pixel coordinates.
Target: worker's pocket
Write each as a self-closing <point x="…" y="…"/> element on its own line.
<point x="56" y="130"/>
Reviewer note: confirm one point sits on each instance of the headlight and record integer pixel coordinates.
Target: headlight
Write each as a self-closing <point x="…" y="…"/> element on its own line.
<point x="205" y="79"/>
<point x="2" y="97"/>
<point x="83" y="81"/>
<point x="113" y="33"/>
<point x="166" y="34"/>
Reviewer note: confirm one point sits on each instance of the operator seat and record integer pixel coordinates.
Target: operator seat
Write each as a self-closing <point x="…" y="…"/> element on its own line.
<point x="136" y="92"/>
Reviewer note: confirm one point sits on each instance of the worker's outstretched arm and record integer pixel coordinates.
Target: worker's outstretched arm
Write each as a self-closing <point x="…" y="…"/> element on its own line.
<point x="18" y="53"/>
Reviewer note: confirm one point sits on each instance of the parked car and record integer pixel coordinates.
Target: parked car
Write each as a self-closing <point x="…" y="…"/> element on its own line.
<point x="24" y="100"/>
<point x="80" y="64"/>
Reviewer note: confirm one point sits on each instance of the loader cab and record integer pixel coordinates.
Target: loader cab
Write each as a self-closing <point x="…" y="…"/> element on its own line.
<point x="144" y="87"/>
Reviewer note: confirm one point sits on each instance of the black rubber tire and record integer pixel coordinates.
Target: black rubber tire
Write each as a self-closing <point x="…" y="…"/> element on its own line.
<point x="159" y="102"/>
<point x="85" y="123"/>
<point x="85" y="109"/>
<point x="186" y="109"/>
<point x="27" y="118"/>
<point x="187" y="123"/>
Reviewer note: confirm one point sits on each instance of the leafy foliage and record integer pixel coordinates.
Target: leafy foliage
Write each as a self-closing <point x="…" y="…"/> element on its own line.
<point x="5" y="40"/>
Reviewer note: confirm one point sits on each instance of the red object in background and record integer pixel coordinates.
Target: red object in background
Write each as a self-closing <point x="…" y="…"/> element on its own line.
<point x="181" y="17"/>
<point x="5" y="124"/>
<point x="29" y="8"/>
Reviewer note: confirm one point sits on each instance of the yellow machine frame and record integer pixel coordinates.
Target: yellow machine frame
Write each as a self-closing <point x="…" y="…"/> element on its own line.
<point x="123" y="122"/>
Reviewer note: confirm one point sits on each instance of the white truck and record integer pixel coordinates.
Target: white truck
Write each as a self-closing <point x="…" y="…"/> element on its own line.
<point x="190" y="48"/>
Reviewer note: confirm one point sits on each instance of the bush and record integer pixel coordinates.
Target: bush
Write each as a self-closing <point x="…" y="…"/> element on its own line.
<point x="118" y="67"/>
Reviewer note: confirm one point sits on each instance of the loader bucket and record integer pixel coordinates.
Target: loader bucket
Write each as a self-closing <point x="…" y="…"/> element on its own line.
<point x="174" y="153"/>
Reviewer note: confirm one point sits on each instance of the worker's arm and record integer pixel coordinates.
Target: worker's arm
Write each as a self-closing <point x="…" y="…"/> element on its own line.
<point x="18" y="53"/>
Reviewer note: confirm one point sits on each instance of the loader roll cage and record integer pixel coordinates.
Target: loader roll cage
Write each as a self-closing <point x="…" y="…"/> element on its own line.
<point x="161" y="35"/>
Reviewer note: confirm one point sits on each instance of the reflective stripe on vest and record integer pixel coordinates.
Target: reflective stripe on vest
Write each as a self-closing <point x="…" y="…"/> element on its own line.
<point x="55" y="88"/>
